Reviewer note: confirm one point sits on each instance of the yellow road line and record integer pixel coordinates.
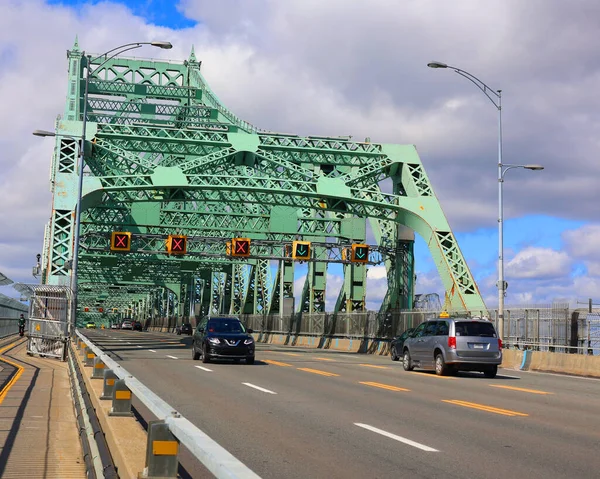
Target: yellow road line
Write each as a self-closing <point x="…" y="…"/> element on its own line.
<point x="15" y="378"/>
<point x="483" y="407"/>
<point x="383" y="386"/>
<point x="434" y="375"/>
<point x="318" y="371"/>
<point x="373" y="366"/>
<point x="326" y="359"/>
<point x="532" y="391"/>
<point x="289" y="354"/>
<point x="275" y="363"/>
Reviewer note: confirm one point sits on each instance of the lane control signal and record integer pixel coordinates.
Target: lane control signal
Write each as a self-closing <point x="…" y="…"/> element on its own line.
<point x="177" y="244"/>
<point x="86" y="310"/>
<point x="301" y="250"/>
<point x="240" y="247"/>
<point x="360" y="253"/>
<point x="120" y="241"/>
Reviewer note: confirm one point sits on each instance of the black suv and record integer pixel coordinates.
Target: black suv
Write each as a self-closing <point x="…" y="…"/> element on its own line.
<point x="185" y="328"/>
<point x="222" y="338"/>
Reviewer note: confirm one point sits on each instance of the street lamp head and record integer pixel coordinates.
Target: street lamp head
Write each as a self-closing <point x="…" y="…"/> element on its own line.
<point x="43" y="133"/>
<point x="437" y="65"/>
<point x="533" y="167"/>
<point x="164" y="45"/>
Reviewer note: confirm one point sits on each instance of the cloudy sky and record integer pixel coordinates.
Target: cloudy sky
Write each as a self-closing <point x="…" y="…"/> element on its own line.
<point x="358" y="67"/>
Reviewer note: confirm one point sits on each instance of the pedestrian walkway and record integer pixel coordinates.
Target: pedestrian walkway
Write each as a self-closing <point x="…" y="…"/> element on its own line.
<point x="38" y="428"/>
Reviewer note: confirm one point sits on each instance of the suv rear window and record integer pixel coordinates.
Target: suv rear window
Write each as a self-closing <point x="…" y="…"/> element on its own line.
<point x="475" y="328"/>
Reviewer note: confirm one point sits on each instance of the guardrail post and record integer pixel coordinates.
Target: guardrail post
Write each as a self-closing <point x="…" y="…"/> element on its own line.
<point x="121" y="405"/>
<point x="109" y="384"/>
<point x="98" y="372"/>
<point x="162" y="452"/>
<point x="89" y="357"/>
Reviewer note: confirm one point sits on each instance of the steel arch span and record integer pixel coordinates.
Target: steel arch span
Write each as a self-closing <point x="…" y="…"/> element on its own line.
<point x="164" y="156"/>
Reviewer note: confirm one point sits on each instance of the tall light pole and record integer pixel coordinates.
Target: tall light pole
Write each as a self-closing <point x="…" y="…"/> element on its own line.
<point x="88" y="64"/>
<point x="496" y="100"/>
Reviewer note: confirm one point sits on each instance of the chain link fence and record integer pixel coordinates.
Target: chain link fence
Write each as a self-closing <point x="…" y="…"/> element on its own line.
<point x="552" y="327"/>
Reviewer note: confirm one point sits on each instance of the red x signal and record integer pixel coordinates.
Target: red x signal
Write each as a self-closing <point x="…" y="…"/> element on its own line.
<point x="240" y="247"/>
<point x="177" y="244"/>
<point x="120" y="241"/>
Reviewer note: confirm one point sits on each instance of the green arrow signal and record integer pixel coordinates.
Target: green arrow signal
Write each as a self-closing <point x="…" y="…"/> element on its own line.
<point x="360" y="254"/>
<point x="302" y="250"/>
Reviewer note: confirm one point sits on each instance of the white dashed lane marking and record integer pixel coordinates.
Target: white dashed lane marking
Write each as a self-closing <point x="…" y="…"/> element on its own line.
<point x="401" y="439"/>
<point x="259" y="388"/>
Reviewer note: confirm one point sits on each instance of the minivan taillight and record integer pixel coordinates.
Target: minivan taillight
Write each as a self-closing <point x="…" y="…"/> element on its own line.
<point x="499" y="344"/>
<point x="452" y="342"/>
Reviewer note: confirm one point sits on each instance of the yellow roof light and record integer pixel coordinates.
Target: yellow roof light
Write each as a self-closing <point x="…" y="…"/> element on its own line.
<point x="444" y="314"/>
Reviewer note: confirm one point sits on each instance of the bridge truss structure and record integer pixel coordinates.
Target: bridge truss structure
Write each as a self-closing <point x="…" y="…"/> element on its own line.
<point x="164" y="156"/>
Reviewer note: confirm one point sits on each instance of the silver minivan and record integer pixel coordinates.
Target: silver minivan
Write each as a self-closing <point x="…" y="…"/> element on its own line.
<point x="448" y="345"/>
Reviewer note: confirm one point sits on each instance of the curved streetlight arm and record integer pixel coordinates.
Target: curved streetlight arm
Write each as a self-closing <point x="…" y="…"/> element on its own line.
<point x="505" y="168"/>
<point x="130" y="45"/>
<point x="479" y="84"/>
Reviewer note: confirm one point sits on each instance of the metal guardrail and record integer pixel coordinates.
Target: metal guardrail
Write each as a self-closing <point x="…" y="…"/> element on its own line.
<point x="8" y="326"/>
<point x="213" y="456"/>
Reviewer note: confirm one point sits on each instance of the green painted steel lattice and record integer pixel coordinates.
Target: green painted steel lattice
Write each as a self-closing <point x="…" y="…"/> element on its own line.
<point x="164" y="156"/>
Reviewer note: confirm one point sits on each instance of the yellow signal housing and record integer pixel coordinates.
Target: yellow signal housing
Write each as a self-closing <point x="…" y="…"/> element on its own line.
<point x="240" y="247"/>
<point x="301" y="250"/>
<point x="177" y="244"/>
<point x="120" y="241"/>
<point x="360" y="253"/>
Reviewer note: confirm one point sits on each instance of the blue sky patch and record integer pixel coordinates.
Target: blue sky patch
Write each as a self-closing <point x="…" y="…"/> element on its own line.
<point x="163" y="13"/>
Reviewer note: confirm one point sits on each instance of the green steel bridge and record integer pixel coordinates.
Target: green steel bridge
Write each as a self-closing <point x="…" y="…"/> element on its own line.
<point x="163" y="156"/>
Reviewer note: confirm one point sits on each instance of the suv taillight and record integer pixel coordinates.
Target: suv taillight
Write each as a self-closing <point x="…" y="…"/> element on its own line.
<point x="499" y="344"/>
<point x="452" y="342"/>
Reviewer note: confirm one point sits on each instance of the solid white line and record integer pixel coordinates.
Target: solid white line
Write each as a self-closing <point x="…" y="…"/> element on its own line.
<point x="152" y="350"/>
<point x="128" y="342"/>
<point x="204" y="369"/>
<point x="259" y="388"/>
<point x="507" y="376"/>
<point x="139" y="346"/>
<point x="396" y="438"/>
<point x="172" y="357"/>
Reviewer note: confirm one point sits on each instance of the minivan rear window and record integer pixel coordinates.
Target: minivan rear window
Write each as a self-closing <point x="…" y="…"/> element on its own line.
<point x="475" y="328"/>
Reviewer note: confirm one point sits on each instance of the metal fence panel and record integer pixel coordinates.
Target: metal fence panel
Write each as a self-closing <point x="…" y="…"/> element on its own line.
<point x="47" y="338"/>
<point x="8" y="326"/>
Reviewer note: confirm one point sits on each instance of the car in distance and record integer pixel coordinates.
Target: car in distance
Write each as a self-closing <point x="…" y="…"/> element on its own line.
<point x="136" y="325"/>
<point x="185" y="328"/>
<point x="398" y="343"/>
<point x="114" y="326"/>
<point x="90" y="325"/>
<point x="127" y="324"/>
<point x="222" y="338"/>
<point x="448" y="345"/>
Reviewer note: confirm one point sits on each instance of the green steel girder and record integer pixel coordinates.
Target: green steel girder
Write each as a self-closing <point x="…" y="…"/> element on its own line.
<point x="149" y="171"/>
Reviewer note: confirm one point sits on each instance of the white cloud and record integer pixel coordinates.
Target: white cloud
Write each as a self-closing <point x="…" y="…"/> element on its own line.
<point x="539" y="263"/>
<point x="360" y="71"/>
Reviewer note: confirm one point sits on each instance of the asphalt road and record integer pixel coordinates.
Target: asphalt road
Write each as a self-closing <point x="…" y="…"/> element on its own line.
<point x="301" y="413"/>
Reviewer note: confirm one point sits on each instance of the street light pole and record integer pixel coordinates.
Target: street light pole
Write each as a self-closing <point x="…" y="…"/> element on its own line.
<point x="496" y="100"/>
<point x="75" y="260"/>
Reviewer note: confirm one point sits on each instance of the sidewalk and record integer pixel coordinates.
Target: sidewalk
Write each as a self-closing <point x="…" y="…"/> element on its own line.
<point x="38" y="428"/>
